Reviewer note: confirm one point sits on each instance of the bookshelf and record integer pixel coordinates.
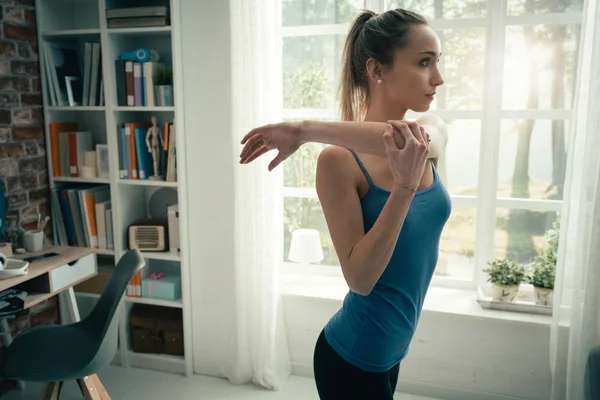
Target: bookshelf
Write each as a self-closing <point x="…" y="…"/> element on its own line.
<point x="70" y="24"/>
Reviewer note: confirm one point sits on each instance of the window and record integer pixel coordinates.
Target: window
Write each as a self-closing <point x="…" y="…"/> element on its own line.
<point x="509" y="68"/>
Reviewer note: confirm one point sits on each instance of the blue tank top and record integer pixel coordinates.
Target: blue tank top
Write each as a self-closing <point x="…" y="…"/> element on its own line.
<point x="373" y="332"/>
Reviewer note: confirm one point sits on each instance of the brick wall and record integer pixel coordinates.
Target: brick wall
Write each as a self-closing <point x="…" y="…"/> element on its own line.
<point x="23" y="165"/>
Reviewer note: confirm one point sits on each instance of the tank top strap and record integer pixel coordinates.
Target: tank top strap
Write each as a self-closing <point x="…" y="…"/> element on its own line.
<point x="361" y="165"/>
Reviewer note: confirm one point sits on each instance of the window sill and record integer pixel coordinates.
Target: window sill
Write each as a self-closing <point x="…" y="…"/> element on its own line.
<point x="445" y="300"/>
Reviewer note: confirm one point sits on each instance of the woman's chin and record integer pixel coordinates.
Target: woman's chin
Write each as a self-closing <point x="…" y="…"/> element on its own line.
<point x="421" y="107"/>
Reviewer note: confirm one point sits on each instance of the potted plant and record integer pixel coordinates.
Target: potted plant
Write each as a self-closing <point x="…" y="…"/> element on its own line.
<point x="163" y="81"/>
<point x="543" y="269"/>
<point x="506" y="277"/>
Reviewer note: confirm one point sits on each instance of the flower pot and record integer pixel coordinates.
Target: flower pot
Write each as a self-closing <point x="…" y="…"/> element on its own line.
<point x="504" y="294"/>
<point x="543" y="297"/>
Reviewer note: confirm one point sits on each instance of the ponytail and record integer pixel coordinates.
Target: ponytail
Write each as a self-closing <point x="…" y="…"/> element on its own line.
<point x="353" y="89"/>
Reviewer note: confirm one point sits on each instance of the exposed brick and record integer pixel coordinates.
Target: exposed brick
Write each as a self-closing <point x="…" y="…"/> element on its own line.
<point x="14" y="14"/>
<point x="27" y="133"/>
<point x="14" y="84"/>
<point x="32" y="148"/>
<point x="8" y="49"/>
<point x="33" y="51"/>
<point x="5" y="117"/>
<point x="8" y="100"/>
<point x="24" y="50"/>
<point x="4" y="67"/>
<point x="22" y="182"/>
<point x="30" y="17"/>
<point x="35" y="164"/>
<point x="18" y="32"/>
<point x="38" y="194"/>
<point x="46" y="317"/>
<point x="36" y="85"/>
<point x="4" y="135"/>
<point x="29" y="213"/>
<point x="16" y="200"/>
<point x="22" y="116"/>
<point x="11" y="150"/>
<point x="9" y="168"/>
<point x="25" y="68"/>
<point x="28" y="100"/>
<point x="44" y="208"/>
<point x="37" y="115"/>
<point x="41" y="148"/>
<point x="43" y="179"/>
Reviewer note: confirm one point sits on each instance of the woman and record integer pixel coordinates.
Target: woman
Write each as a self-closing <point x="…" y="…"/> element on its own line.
<point x="383" y="200"/>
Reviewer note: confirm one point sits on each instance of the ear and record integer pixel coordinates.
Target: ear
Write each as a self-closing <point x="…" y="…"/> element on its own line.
<point x="374" y="70"/>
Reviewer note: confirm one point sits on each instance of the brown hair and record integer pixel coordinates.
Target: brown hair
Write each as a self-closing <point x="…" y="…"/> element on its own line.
<point x="376" y="36"/>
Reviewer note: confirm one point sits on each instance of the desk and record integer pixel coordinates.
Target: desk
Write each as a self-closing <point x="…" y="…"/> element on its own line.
<point x="50" y="277"/>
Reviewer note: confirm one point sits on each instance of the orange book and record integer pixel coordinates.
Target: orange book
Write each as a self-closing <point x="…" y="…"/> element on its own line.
<point x="55" y="128"/>
<point x="134" y="161"/>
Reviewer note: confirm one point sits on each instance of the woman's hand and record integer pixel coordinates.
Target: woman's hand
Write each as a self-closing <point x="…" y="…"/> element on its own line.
<point x="407" y="164"/>
<point x="284" y="137"/>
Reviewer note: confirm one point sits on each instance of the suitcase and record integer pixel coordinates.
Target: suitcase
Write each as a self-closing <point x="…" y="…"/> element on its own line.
<point x="157" y="330"/>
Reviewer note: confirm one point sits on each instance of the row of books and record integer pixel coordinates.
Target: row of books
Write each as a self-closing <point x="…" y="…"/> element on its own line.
<point x="68" y="146"/>
<point x="73" y="73"/>
<point x="129" y="17"/>
<point x="136" y="159"/>
<point x="137" y="83"/>
<point x="83" y="217"/>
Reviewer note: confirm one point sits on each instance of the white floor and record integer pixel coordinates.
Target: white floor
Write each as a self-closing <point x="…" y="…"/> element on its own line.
<point x="137" y="384"/>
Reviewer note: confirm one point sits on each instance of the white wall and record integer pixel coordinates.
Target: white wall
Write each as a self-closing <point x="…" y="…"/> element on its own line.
<point x="209" y="156"/>
<point x="452" y="356"/>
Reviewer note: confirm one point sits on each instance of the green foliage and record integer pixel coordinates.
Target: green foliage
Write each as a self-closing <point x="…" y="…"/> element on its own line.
<point x="505" y="272"/>
<point x="543" y="268"/>
<point x="163" y="76"/>
<point x="305" y="87"/>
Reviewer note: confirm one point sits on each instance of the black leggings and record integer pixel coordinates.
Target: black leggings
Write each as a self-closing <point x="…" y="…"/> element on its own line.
<point x="337" y="379"/>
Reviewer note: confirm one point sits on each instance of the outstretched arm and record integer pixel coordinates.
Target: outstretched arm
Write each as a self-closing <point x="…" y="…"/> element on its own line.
<point x="363" y="137"/>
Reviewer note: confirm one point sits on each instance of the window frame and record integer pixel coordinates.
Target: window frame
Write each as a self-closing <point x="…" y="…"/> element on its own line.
<point x="491" y="114"/>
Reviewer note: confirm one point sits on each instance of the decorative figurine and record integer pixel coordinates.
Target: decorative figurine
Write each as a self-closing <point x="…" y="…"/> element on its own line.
<point x="153" y="147"/>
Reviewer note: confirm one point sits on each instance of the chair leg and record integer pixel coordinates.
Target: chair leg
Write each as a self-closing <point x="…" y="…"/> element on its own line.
<point x="88" y="387"/>
<point x="100" y="387"/>
<point x="51" y="391"/>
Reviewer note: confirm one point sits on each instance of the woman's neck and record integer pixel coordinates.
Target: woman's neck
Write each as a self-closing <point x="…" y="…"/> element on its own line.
<point x="381" y="112"/>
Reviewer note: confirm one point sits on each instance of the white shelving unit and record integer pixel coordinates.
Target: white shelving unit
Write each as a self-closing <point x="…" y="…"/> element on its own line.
<point x="73" y="22"/>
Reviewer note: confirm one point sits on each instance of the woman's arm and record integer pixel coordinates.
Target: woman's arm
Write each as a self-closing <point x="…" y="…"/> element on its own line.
<point x="365" y="137"/>
<point x="363" y="257"/>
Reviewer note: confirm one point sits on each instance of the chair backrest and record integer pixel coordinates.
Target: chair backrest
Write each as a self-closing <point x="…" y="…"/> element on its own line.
<point x="103" y="321"/>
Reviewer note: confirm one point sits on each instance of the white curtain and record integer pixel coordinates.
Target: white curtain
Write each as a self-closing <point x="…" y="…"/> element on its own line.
<point x="575" y="328"/>
<point x="259" y="352"/>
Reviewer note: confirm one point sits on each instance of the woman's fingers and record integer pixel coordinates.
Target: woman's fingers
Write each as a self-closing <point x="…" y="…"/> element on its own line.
<point x="253" y="133"/>
<point x="254" y="143"/>
<point x="403" y="129"/>
<point x="254" y="155"/>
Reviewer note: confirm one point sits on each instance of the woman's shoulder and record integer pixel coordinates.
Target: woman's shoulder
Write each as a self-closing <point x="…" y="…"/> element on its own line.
<point x="338" y="162"/>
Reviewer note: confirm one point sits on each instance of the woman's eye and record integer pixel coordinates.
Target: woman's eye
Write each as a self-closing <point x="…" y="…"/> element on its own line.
<point x="425" y="63"/>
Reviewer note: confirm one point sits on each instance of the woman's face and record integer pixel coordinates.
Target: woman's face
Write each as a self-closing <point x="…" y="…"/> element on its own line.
<point x="411" y="82"/>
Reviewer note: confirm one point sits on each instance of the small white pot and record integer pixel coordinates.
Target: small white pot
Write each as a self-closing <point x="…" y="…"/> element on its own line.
<point x="504" y="294"/>
<point x="543" y="297"/>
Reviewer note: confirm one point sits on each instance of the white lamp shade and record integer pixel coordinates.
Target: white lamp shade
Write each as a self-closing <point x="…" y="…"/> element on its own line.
<point x="306" y="246"/>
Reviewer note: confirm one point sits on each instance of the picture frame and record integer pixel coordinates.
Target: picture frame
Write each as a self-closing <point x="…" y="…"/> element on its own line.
<point x="102" y="161"/>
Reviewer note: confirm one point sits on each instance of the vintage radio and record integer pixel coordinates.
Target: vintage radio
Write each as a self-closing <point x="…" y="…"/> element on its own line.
<point x="149" y="235"/>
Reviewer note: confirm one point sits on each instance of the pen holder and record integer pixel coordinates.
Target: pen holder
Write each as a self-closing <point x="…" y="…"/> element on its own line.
<point x="33" y="240"/>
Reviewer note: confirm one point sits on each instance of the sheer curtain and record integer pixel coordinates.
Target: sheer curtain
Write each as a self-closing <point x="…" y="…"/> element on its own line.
<point x="259" y="351"/>
<point x="575" y="328"/>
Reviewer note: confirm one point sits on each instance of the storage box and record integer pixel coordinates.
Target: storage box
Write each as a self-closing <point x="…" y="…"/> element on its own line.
<point x="156" y="329"/>
<point x="167" y="287"/>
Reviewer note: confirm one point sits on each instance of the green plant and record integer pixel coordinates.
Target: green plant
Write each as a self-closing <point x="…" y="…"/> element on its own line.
<point x="163" y="76"/>
<point x="543" y="267"/>
<point x="505" y="272"/>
